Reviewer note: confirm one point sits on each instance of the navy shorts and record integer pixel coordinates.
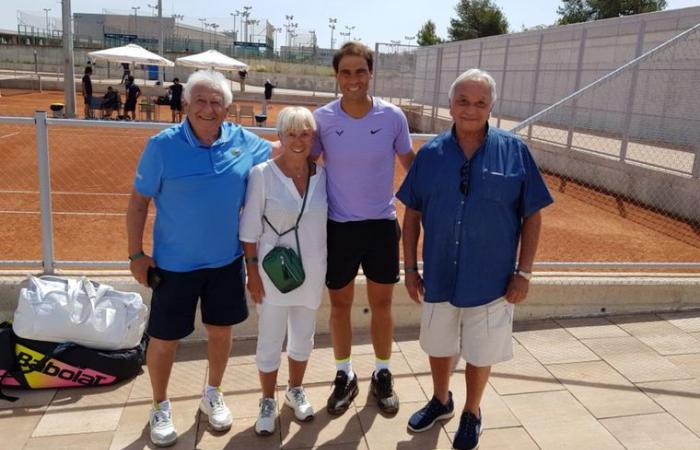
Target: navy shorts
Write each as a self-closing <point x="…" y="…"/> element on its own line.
<point x="174" y="300"/>
<point x="374" y="244"/>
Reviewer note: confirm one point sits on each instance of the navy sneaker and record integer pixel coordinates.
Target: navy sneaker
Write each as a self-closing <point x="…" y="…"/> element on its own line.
<point x="425" y="418"/>
<point x="467" y="436"/>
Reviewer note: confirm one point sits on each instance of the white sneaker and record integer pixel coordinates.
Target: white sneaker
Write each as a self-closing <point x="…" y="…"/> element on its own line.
<point x="265" y="425"/>
<point x="213" y="405"/>
<point x="163" y="432"/>
<point x="296" y="399"/>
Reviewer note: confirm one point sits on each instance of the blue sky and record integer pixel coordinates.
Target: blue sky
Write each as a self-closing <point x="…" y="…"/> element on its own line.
<point x="374" y="20"/>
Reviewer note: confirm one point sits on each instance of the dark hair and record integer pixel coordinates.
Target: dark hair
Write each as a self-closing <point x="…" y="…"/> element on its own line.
<point x="88" y="69"/>
<point x="353" y="48"/>
<point x="176" y="80"/>
<point x="130" y="78"/>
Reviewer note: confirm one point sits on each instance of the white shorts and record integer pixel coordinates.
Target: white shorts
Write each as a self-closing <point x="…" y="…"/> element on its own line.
<point x="274" y="322"/>
<point x="482" y="334"/>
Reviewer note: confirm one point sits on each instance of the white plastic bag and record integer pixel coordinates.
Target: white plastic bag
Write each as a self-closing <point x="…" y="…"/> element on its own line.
<point x="91" y="314"/>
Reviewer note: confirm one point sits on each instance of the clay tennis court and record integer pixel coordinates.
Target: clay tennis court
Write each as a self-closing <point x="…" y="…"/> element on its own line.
<point x="91" y="177"/>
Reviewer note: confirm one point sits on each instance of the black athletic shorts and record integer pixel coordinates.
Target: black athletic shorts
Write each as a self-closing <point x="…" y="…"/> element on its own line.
<point x="174" y="300"/>
<point x="372" y="243"/>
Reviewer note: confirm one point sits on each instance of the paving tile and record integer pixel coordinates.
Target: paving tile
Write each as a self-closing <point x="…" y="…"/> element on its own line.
<point x="22" y="422"/>
<point x="133" y="432"/>
<point x="550" y="344"/>
<point x="651" y="432"/>
<point x="240" y="436"/>
<point x="591" y="327"/>
<point x="603" y="391"/>
<point x="689" y="363"/>
<point x="555" y="420"/>
<point x="660" y="335"/>
<point x="506" y="439"/>
<point x="27" y="398"/>
<point x="522" y="374"/>
<point x="324" y="429"/>
<point x="679" y="398"/>
<point x="637" y="362"/>
<point x="84" y="410"/>
<point x="186" y="380"/>
<point x="688" y="321"/>
<point x="415" y="356"/>
<point x="239" y="379"/>
<point x="362" y="445"/>
<point x="497" y="413"/>
<point x="92" y="441"/>
<point x="384" y="433"/>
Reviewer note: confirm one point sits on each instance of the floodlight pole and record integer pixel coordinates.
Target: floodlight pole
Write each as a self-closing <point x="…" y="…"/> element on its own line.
<point x="68" y="68"/>
<point x="161" y="50"/>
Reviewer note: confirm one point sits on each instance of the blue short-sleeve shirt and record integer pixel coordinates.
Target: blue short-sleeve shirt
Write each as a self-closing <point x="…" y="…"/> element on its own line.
<point x="198" y="191"/>
<point x="470" y="242"/>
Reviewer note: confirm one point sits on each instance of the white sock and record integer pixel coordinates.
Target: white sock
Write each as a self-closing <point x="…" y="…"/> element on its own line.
<point x="162" y="406"/>
<point x="380" y="364"/>
<point x="209" y="389"/>
<point x="346" y="366"/>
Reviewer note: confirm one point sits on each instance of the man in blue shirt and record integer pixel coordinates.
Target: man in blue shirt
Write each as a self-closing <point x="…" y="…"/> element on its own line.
<point x="196" y="172"/>
<point x="477" y="192"/>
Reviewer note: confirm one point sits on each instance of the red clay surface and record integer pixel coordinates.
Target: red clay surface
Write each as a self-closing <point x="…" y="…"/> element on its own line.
<point x="92" y="170"/>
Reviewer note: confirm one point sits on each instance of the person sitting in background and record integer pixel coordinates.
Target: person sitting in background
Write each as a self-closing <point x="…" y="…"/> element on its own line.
<point x="278" y="190"/>
<point x="110" y="102"/>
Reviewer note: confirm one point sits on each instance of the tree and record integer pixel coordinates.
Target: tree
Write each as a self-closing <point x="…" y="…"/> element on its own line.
<point x="477" y="18"/>
<point x="427" y="35"/>
<point x="575" y="11"/>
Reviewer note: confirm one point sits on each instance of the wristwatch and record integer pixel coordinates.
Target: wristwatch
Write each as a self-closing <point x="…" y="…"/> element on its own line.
<point x="522" y="273"/>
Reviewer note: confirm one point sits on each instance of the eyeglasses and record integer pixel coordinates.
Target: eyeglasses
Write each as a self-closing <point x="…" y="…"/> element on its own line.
<point x="464" y="178"/>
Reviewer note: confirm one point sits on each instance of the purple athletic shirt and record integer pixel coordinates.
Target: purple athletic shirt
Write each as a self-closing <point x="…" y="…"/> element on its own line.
<point x="359" y="158"/>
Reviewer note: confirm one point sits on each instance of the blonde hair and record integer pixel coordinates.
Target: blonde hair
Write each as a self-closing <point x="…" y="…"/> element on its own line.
<point x="295" y="118"/>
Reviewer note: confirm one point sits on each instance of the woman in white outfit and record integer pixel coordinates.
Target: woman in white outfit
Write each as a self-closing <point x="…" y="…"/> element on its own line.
<point x="276" y="191"/>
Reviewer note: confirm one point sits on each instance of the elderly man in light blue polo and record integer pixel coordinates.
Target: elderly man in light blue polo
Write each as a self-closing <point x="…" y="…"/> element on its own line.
<point x="196" y="172"/>
<point x="478" y="194"/>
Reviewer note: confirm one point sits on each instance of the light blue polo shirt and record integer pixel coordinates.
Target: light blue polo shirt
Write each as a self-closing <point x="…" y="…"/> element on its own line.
<point x="470" y="242"/>
<point x="198" y="192"/>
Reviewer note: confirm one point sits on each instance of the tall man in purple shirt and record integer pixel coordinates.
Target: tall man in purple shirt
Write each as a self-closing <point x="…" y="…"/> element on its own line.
<point x="359" y="137"/>
<point x="478" y="194"/>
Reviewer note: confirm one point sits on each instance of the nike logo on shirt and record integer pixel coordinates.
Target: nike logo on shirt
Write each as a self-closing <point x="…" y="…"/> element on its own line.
<point x="339" y="132"/>
<point x="375" y="131"/>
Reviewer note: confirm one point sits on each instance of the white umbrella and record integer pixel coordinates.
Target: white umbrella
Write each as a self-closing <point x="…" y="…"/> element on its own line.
<point x="131" y="53"/>
<point x="211" y="59"/>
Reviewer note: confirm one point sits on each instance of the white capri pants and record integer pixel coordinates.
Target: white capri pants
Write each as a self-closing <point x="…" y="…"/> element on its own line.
<point x="274" y="322"/>
<point x="481" y="334"/>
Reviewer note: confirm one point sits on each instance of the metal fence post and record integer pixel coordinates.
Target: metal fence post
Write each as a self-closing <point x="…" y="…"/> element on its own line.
<point x="481" y="52"/>
<point x="630" y="94"/>
<point x="536" y="80"/>
<point x="579" y="69"/>
<point x="42" y="157"/>
<point x="503" y="84"/>
<point x="436" y="91"/>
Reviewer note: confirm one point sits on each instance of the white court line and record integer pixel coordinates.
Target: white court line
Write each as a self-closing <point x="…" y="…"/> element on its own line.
<point x="10" y="134"/>
<point x="67" y="213"/>
<point x="12" y="191"/>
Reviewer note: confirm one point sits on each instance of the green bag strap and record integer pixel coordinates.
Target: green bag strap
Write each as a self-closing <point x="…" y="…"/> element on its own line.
<point x="295" y="228"/>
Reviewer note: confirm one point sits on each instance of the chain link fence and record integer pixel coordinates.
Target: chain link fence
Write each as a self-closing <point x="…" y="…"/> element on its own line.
<point x="629" y="142"/>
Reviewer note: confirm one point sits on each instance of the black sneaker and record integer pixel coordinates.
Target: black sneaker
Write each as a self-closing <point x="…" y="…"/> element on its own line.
<point x="344" y="391"/>
<point x="382" y="387"/>
<point x="467" y="436"/>
<point x="425" y="418"/>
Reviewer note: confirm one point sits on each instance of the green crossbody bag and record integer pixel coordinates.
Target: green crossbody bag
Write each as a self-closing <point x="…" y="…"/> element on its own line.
<point x="283" y="265"/>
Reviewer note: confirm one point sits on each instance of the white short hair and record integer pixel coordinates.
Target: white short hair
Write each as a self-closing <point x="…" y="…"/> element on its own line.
<point x="474" y="75"/>
<point x="295" y="118"/>
<point x="212" y="79"/>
